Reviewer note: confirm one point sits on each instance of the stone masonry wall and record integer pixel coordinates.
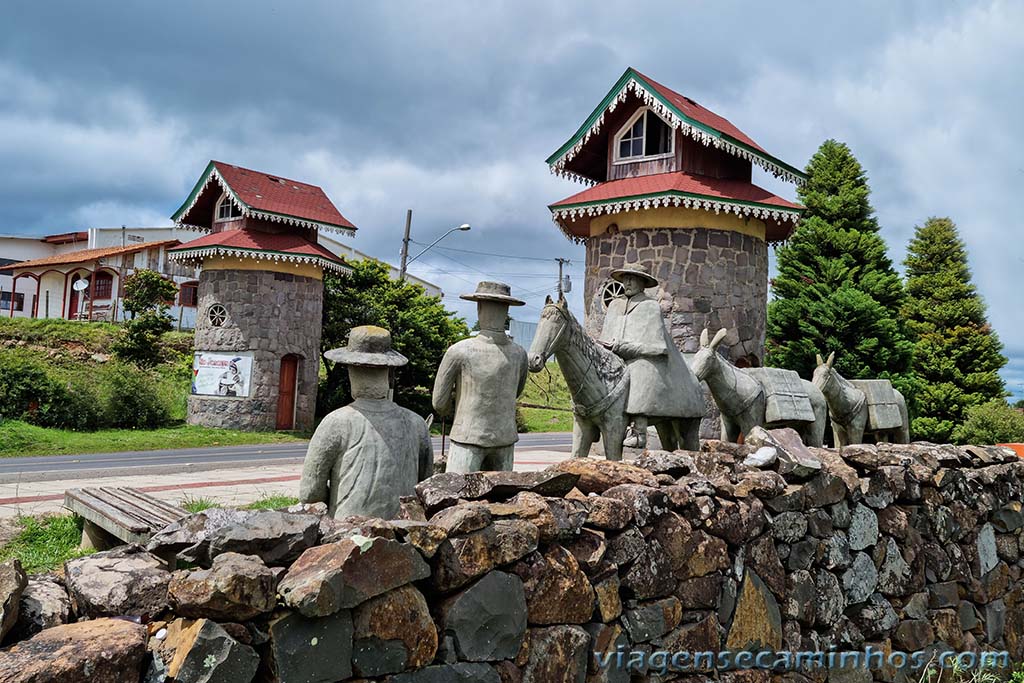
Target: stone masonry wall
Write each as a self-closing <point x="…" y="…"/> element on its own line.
<point x="514" y="577"/>
<point x="709" y="278"/>
<point x="272" y="315"/>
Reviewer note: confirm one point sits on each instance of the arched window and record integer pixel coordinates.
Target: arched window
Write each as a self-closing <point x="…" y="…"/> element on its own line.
<point x="645" y="136"/>
<point x="227" y="210"/>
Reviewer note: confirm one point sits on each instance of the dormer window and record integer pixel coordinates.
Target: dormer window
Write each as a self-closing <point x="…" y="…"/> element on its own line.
<point x="227" y="210"/>
<point x="645" y="136"/>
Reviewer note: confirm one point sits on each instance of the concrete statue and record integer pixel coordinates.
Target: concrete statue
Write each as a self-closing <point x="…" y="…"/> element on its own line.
<point x="662" y="389"/>
<point x="766" y="397"/>
<point x="366" y="455"/>
<point x="479" y="380"/>
<point x="859" y="407"/>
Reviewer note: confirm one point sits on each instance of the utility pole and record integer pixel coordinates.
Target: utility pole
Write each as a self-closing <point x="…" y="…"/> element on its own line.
<point x="561" y="262"/>
<point x="405" y="245"/>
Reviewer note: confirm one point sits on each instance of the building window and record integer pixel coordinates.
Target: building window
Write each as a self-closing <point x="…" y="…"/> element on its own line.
<point x="5" y="301"/>
<point x="612" y="290"/>
<point x="189" y="294"/>
<point x="104" y="285"/>
<point x="218" y="315"/>
<point x="227" y="210"/>
<point x="645" y="135"/>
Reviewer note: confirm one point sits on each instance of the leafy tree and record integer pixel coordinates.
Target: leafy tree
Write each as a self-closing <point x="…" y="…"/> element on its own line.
<point x="146" y="289"/>
<point x="1019" y="405"/>
<point x="991" y="423"/>
<point x="957" y="355"/>
<point x="421" y="329"/>
<point x="836" y="288"/>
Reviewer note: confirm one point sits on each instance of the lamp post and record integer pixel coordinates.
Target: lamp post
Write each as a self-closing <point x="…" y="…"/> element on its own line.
<point x="462" y="228"/>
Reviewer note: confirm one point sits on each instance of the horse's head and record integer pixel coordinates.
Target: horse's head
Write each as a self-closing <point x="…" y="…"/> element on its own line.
<point x="554" y="320"/>
<point x="707" y="359"/>
<point x="823" y="373"/>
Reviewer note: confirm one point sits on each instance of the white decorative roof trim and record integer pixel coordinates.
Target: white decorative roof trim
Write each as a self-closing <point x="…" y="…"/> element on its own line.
<point x="701" y="136"/>
<point x="217" y="250"/>
<point x="613" y="206"/>
<point x="246" y="211"/>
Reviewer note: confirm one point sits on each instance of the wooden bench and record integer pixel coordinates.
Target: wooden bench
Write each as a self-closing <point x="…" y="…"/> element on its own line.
<point x="115" y="515"/>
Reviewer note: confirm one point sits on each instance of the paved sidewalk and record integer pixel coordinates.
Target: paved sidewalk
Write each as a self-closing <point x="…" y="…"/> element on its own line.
<point x="231" y="485"/>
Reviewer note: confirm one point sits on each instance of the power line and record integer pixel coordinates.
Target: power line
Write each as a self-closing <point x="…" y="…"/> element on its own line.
<point x="487" y="253"/>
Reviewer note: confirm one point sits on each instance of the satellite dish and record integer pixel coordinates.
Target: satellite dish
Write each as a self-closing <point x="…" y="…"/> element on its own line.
<point x="80" y="285"/>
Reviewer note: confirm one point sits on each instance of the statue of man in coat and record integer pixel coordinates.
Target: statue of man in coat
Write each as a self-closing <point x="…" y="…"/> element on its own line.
<point x="662" y="388"/>
<point x="479" y="380"/>
<point x="364" y="456"/>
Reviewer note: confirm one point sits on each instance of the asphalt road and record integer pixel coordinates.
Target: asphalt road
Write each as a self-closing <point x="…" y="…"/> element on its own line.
<point x="200" y="458"/>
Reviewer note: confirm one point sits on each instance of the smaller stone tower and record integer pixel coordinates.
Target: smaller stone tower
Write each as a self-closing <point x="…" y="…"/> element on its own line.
<point x="257" y="337"/>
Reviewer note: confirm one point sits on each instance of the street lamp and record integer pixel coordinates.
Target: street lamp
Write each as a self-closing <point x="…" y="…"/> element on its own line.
<point x="462" y="228"/>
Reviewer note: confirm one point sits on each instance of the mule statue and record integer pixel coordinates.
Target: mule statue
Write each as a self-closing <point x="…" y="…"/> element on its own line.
<point x="598" y="383"/>
<point x="857" y="407"/>
<point x="765" y="397"/>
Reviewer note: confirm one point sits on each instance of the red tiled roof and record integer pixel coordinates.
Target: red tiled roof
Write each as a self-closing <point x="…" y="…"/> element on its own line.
<point x="677" y="182"/>
<point x="265" y="192"/>
<point x="702" y="114"/>
<point x="86" y="255"/>
<point x="65" y="237"/>
<point x="254" y="240"/>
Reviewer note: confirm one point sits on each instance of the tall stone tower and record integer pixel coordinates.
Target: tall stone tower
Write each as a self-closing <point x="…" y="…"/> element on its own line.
<point x="672" y="192"/>
<point x="257" y="337"/>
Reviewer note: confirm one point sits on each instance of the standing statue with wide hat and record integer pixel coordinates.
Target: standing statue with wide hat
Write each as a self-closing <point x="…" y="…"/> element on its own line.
<point x="366" y="455"/>
<point x="479" y="380"/>
<point x="663" y="391"/>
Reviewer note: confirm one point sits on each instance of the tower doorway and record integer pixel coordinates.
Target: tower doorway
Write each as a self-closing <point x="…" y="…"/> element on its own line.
<point x="286" y="391"/>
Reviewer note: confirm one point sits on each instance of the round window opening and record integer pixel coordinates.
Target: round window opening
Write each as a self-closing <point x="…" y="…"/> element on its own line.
<point x="611" y="291"/>
<point x="218" y="315"/>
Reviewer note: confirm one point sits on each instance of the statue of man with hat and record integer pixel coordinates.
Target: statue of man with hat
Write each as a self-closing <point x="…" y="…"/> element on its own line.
<point x="661" y="384"/>
<point x="366" y="455"/>
<point x="479" y="380"/>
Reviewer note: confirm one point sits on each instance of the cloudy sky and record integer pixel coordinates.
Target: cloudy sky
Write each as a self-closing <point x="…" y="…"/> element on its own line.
<point x="110" y="111"/>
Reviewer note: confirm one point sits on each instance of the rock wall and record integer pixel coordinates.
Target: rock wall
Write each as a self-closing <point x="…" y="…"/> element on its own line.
<point x="272" y="315"/>
<point x="709" y="278"/>
<point x="521" y="577"/>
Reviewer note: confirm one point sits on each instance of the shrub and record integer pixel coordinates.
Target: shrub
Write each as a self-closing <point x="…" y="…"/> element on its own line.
<point x="140" y="342"/>
<point x="991" y="423"/>
<point x="32" y="391"/>
<point x="133" y="398"/>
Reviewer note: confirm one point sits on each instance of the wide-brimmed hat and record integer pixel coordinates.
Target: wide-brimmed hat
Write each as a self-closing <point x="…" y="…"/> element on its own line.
<point x="493" y="291"/>
<point x="368" y="346"/>
<point x="638" y="271"/>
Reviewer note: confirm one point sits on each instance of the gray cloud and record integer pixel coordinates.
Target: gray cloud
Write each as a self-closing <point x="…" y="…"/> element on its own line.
<point x="109" y="111"/>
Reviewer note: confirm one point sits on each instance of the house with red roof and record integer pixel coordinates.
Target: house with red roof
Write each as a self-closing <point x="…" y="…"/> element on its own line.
<point x="671" y="190"/>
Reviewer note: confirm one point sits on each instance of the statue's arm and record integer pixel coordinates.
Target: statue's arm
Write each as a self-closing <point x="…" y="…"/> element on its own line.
<point x="646" y="332"/>
<point x="524" y="372"/>
<point x="444" y="384"/>
<point x="314" y="487"/>
<point x="426" y="459"/>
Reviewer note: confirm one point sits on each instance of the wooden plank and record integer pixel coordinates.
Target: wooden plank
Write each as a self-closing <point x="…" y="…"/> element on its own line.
<point x="87" y="499"/>
<point x="168" y="511"/>
<point x="143" y="506"/>
<point x="100" y="519"/>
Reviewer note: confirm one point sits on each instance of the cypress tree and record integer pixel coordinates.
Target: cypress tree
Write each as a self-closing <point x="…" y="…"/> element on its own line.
<point x="836" y="288"/>
<point x="957" y="355"/>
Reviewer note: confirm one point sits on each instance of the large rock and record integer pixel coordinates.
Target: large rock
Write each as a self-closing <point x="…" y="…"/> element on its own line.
<point x="446" y="489"/>
<point x="555" y="518"/>
<point x="609" y="514"/>
<point x="599" y="475"/>
<point x="236" y="588"/>
<point x="461" y="559"/>
<point x="557" y="591"/>
<point x="462" y="519"/>
<point x="650" y="576"/>
<point x="278" y="538"/>
<point x="860" y="580"/>
<point x="486" y="621"/>
<point x="331" y="577"/>
<point x="647" y="502"/>
<point x="392" y="632"/>
<point x="423" y="536"/>
<point x="508" y="484"/>
<point x="894" y="573"/>
<point x="756" y="621"/>
<point x="794" y="457"/>
<point x="863" y="532"/>
<point x="558" y="654"/>
<point x="12" y="584"/>
<point x="44" y="604"/>
<point x="119" y="582"/>
<point x="302" y="650"/>
<point x="202" y="652"/>
<point x="96" y="651"/>
<point x="649" y="620"/>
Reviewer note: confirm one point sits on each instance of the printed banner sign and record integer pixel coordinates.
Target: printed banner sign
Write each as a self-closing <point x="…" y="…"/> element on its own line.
<point x="219" y="373"/>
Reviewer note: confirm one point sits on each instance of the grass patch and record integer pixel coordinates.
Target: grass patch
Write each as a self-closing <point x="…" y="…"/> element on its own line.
<point x="547" y="388"/>
<point x="539" y="420"/>
<point x="19" y="439"/>
<point x="271" y="503"/>
<point x="45" y="543"/>
<point x="54" y="332"/>
<point x="194" y="505"/>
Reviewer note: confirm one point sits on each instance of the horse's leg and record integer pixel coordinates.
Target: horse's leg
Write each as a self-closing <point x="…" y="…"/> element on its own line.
<point x="730" y="430"/>
<point x="613" y="428"/>
<point x="667" y="434"/>
<point x="855" y="430"/>
<point x="689" y="433"/>
<point x="584" y="433"/>
<point x="839" y="436"/>
<point x="902" y="434"/>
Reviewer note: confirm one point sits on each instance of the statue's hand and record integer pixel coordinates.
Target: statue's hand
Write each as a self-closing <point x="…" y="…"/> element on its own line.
<point x="610" y="345"/>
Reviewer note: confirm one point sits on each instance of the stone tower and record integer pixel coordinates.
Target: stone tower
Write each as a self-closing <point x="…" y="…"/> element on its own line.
<point x="257" y="336"/>
<point x="672" y="192"/>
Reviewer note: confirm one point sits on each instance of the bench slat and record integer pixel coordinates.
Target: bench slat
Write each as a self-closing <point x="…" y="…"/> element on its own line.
<point x="81" y="500"/>
<point x="120" y="514"/>
<point x="167" y="511"/>
<point x="155" y="517"/>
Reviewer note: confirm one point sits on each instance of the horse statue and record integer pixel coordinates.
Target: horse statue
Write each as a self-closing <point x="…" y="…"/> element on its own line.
<point x="766" y="397"/>
<point x="857" y="407"/>
<point x="598" y="383"/>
